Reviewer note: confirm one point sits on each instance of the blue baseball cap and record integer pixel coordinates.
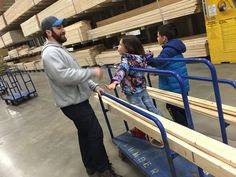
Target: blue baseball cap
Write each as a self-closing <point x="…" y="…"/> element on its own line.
<point x="50" y="22"/>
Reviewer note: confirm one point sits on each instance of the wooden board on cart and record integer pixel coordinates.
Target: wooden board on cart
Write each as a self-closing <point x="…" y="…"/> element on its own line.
<point x="215" y="157"/>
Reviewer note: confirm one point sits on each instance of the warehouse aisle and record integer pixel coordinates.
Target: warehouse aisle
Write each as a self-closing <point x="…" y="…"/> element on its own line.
<point x="37" y="140"/>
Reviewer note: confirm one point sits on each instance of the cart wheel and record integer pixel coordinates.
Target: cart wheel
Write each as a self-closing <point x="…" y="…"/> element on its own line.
<point x="35" y="94"/>
<point x="14" y="103"/>
<point x="6" y="102"/>
<point x="122" y="156"/>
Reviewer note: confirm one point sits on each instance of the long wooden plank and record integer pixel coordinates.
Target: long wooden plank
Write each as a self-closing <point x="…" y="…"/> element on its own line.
<point x="219" y="150"/>
<point x="185" y="149"/>
<point x="207" y="112"/>
<point x="196" y="101"/>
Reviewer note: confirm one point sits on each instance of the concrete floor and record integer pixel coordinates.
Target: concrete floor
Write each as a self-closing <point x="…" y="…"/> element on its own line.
<point x="37" y="140"/>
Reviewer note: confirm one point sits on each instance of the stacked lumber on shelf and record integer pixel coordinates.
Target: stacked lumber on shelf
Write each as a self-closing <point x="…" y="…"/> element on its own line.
<point x="83" y="5"/>
<point x="13" y="37"/>
<point x="20" y="66"/>
<point x="86" y="57"/>
<point x="39" y="65"/>
<point x="196" y="47"/>
<point x="3" y="23"/>
<point x="170" y="9"/>
<point x="24" y="9"/>
<point x="77" y="32"/>
<point x="213" y="156"/>
<point x="2" y="44"/>
<point x="30" y="26"/>
<point x="35" y="50"/>
<point x="60" y="9"/>
<point x="205" y="107"/>
<point x="5" y="4"/>
<point x="3" y="52"/>
<point x="17" y="10"/>
<point x="108" y="57"/>
<point x="30" y="66"/>
<point x="13" y="53"/>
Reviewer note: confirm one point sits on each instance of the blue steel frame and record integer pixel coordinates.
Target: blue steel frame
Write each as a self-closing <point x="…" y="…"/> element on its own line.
<point x="182" y="88"/>
<point x="151" y="117"/>
<point x="215" y="82"/>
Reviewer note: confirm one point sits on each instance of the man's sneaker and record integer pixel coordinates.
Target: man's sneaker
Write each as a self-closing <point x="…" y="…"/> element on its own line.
<point x="90" y="171"/>
<point x="108" y="173"/>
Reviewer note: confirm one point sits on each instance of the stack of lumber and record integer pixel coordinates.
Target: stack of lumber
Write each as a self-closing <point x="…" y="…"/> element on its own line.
<point x="196" y="47"/>
<point x="20" y="66"/>
<point x="44" y="2"/>
<point x="23" y="51"/>
<point x="13" y="37"/>
<point x="170" y="9"/>
<point x="3" y="66"/>
<point x="213" y="156"/>
<point x="77" y="32"/>
<point x="5" y="4"/>
<point x="13" y="53"/>
<point x="30" y="26"/>
<point x="60" y="9"/>
<point x="3" y="23"/>
<point x="30" y="66"/>
<point x="35" y="50"/>
<point x="86" y="57"/>
<point x="17" y="10"/>
<point x="208" y="108"/>
<point x="83" y="5"/>
<point x="1" y="43"/>
<point x="39" y="65"/>
<point x="108" y="57"/>
<point x="3" y="52"/>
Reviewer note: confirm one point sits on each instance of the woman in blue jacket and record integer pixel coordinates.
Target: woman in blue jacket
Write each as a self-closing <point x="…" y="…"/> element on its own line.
<point x="172" y="48"/>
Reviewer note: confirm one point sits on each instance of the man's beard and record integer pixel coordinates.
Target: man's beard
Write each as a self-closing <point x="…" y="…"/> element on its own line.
<point x="59" y="38"/>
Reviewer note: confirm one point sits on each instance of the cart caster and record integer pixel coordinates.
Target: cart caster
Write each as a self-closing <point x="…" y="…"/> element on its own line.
<point x="35" y="94"/>
<point x="122" y="156"/>
<point x="6" y="102"/>
<point x="15" y="103"/>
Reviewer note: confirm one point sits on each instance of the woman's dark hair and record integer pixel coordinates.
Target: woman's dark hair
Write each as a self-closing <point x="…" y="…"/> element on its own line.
<point x="169" y="30"/>
<point x="133" y="45"/>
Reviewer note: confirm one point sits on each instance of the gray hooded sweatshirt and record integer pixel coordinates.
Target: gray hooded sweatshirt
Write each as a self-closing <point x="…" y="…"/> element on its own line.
<point x="69" y="82"/>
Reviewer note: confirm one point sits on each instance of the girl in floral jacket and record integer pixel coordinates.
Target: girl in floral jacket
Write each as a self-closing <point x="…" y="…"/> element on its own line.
<point x="133" y="83"/>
